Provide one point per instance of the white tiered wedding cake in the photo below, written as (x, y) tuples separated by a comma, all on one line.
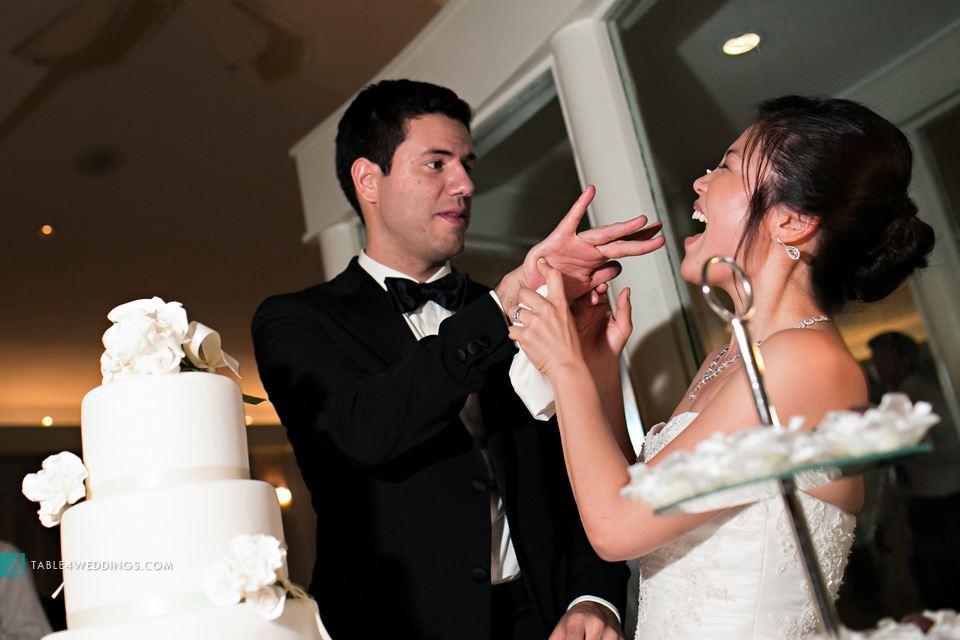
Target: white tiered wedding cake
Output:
[(168, 494)]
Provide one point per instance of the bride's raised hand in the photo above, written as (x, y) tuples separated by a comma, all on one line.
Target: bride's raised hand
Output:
[(546, 331), (602, 333)]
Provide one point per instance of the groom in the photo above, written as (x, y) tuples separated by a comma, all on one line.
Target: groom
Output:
[(443, 508)]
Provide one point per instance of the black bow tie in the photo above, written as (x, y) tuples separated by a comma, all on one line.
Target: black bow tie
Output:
[(449, 292)]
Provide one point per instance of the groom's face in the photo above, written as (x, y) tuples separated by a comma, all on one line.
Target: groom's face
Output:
[(424, 203)]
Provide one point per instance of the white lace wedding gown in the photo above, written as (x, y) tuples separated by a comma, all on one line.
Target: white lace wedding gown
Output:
[(740, 575)]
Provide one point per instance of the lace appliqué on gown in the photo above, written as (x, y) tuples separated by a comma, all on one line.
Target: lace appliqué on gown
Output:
[(687, 597), (832, 532), (662, 433)]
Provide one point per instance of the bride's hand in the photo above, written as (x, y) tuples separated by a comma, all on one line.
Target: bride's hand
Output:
[(603, 335), (547, 332)]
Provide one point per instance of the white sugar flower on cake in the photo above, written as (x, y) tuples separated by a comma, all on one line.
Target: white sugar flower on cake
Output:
[(726, 460), (153, 337), (251, 572), (56, 486), (144, 339)]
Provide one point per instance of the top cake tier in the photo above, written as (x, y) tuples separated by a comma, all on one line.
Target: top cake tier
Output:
[(163, 430)]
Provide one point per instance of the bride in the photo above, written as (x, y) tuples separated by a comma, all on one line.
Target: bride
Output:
[(811, 200)]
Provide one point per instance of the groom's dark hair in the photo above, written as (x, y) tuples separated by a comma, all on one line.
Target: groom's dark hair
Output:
[(375, 124)]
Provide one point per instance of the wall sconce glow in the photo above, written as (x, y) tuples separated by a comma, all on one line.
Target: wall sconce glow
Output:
[(741, 44), (248, 420), (46, 230), (47, 421), (284, 496)]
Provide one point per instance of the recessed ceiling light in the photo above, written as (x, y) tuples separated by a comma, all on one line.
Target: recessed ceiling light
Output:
[(47, 421), (46, 230), (248, 420), (284, 496), (741, 44)]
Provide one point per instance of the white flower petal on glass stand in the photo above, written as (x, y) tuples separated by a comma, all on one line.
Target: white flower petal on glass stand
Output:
[(946, 624), (219, 588), (724, 460)]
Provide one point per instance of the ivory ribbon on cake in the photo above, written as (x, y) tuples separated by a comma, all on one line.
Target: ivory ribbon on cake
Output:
[(202, 345), (145, 608), (166, 478)]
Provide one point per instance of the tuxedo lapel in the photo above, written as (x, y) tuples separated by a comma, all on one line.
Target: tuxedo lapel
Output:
[(367, 313)]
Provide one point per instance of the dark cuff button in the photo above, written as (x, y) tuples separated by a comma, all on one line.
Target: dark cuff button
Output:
[(473, 348), (479, 574), (461, 355), (483, 341), (480, 485)]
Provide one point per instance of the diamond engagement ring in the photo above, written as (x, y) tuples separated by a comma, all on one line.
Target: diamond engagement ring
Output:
[(516, 314)]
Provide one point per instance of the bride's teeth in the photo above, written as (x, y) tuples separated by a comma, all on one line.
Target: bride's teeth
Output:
[(699, 216)]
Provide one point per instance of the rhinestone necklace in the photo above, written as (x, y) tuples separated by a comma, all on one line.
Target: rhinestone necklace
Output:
[(713, 370)]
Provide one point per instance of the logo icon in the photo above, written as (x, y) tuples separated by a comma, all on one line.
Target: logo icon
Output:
[(13, 565)]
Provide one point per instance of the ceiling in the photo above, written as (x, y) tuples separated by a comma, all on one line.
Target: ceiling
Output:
[(153, 136)]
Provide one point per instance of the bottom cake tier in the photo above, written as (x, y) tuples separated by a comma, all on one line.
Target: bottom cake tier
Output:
[(145, 553), (299, 621)]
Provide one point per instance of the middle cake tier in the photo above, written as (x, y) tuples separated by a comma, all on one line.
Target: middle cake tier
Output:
[(145, 552)]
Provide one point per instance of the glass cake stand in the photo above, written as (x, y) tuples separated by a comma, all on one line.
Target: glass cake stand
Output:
[(851, 466), (753, 366)]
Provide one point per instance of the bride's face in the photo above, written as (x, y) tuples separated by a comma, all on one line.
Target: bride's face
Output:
[(724, 198)]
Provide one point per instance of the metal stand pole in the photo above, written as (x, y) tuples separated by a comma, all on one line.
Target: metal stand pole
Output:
[(753, 364)]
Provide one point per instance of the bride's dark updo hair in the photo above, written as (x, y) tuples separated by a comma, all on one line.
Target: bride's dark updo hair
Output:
[(841, 163)]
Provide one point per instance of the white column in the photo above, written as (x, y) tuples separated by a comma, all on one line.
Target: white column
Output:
[(608, 156), (338, 244)]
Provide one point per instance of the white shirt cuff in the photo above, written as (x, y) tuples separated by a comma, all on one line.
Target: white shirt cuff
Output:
[(533, 387), (598, 601), (530, 385)]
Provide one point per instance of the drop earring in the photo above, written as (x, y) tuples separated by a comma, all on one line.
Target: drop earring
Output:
[(791, 250)]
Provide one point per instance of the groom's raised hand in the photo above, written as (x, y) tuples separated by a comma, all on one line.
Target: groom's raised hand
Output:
[(589, 258), (585, 259)]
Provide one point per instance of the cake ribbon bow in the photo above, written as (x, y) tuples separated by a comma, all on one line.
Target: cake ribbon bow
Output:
[(202, 346)]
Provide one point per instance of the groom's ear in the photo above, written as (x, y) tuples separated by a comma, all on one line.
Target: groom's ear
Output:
[(366, 176)]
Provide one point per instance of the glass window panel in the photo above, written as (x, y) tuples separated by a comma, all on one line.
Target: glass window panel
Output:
[(525, 180), (942, 137)]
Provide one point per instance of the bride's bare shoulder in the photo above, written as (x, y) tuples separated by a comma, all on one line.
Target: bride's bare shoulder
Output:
[(813, 366)]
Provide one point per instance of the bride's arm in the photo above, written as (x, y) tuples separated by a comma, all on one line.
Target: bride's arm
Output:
[(618, 528), (602, 338)]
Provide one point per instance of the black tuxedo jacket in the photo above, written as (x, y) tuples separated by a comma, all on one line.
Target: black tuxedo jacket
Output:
[(399, 486)]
